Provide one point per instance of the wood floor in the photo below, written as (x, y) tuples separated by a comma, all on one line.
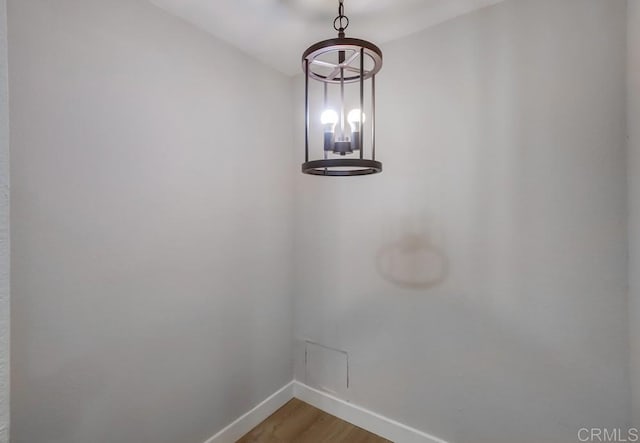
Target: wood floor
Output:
[(299, 422)]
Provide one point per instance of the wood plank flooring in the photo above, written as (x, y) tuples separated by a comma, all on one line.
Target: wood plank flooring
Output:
[(299, 422)]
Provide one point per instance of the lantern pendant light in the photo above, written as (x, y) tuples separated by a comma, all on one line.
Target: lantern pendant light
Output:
[(342, 66)]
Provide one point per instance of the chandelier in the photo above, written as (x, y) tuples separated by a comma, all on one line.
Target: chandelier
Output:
[(345, 68)]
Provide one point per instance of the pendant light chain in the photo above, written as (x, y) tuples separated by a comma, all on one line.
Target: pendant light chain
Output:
[(341, 22)]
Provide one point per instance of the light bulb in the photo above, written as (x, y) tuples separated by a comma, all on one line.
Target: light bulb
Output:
[(329, 118), (354, 119)]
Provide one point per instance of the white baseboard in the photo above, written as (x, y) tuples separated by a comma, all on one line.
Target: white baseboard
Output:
[(239, 427), (354, 414), (361, 417)]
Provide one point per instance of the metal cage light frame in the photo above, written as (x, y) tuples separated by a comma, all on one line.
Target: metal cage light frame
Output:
[(341, 62)]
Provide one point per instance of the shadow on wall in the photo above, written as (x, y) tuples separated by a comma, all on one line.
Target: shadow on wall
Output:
[(413, 260)]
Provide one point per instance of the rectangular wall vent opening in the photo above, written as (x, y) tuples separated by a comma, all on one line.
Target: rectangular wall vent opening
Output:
[(327, 369)]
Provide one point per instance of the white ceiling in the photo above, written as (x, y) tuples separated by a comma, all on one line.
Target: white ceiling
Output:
[(278, 31)]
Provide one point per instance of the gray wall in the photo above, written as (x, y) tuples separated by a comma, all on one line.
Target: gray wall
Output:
[(152, 212), (633, 130), (151, 245), (4, 229), (502, 135)]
